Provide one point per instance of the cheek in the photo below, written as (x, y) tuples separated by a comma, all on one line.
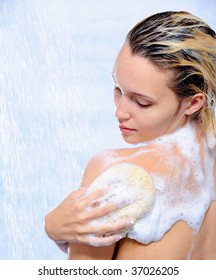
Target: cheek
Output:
[(155, 119)]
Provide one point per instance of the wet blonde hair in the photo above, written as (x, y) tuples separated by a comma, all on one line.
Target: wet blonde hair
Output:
[(184, 43)]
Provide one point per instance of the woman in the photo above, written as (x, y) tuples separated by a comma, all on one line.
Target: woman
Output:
[(165, 90)]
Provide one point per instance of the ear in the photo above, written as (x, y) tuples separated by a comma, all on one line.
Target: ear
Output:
[(195, 103)]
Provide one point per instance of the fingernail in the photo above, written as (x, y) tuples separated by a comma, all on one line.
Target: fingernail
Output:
[(129, 223), (119, 237), (125, 202)]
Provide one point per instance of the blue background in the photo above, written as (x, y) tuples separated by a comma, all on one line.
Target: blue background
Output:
[(56, 104)]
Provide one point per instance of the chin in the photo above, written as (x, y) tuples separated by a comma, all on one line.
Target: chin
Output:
[(135, 141), (132, 141)]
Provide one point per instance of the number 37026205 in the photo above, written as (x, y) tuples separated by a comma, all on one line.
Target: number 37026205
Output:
[(146, 270)]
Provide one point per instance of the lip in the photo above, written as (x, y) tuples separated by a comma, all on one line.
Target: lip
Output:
[(125, 129)]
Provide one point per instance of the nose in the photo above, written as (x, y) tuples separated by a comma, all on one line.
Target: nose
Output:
[(122, 109)]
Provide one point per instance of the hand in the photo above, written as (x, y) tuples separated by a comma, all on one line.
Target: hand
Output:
[(70, 221)]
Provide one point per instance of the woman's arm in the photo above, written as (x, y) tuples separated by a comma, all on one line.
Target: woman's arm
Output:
[(70, 221), (86, 252)]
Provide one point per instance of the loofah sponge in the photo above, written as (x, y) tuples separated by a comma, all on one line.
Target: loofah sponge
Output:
[(126, 182)]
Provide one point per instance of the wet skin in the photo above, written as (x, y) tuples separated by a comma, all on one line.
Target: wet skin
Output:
[(147, 108)]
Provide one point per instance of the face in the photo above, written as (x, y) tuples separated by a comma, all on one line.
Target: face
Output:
[(145, 105)]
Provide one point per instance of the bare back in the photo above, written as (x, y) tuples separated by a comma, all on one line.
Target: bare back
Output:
[(181, 240)]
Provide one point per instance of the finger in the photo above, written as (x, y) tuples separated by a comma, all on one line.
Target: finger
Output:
[(81, 201), (97, 211), (90, 198), (97, 241), (108, 228), (85, 199), (77, 194)]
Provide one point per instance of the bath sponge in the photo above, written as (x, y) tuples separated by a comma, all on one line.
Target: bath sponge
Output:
[(125, 182)]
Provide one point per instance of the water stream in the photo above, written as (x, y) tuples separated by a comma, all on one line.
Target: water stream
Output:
[(56, 107)]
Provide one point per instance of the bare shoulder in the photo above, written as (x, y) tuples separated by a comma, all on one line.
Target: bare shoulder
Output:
[(103, 160)]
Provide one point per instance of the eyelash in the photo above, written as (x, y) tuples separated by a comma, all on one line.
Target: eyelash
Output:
[(142, 105), (117, 89), (117, 92)]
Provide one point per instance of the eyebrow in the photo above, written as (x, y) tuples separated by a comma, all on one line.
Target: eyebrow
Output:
[(135, 93)]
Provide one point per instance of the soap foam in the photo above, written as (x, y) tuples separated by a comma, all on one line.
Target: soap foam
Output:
[(131, 184), (183, 193), (184, 196)]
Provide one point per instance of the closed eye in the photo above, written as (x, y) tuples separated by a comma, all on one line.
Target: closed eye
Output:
[(141, 102), (117, 91), (143, 105)]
